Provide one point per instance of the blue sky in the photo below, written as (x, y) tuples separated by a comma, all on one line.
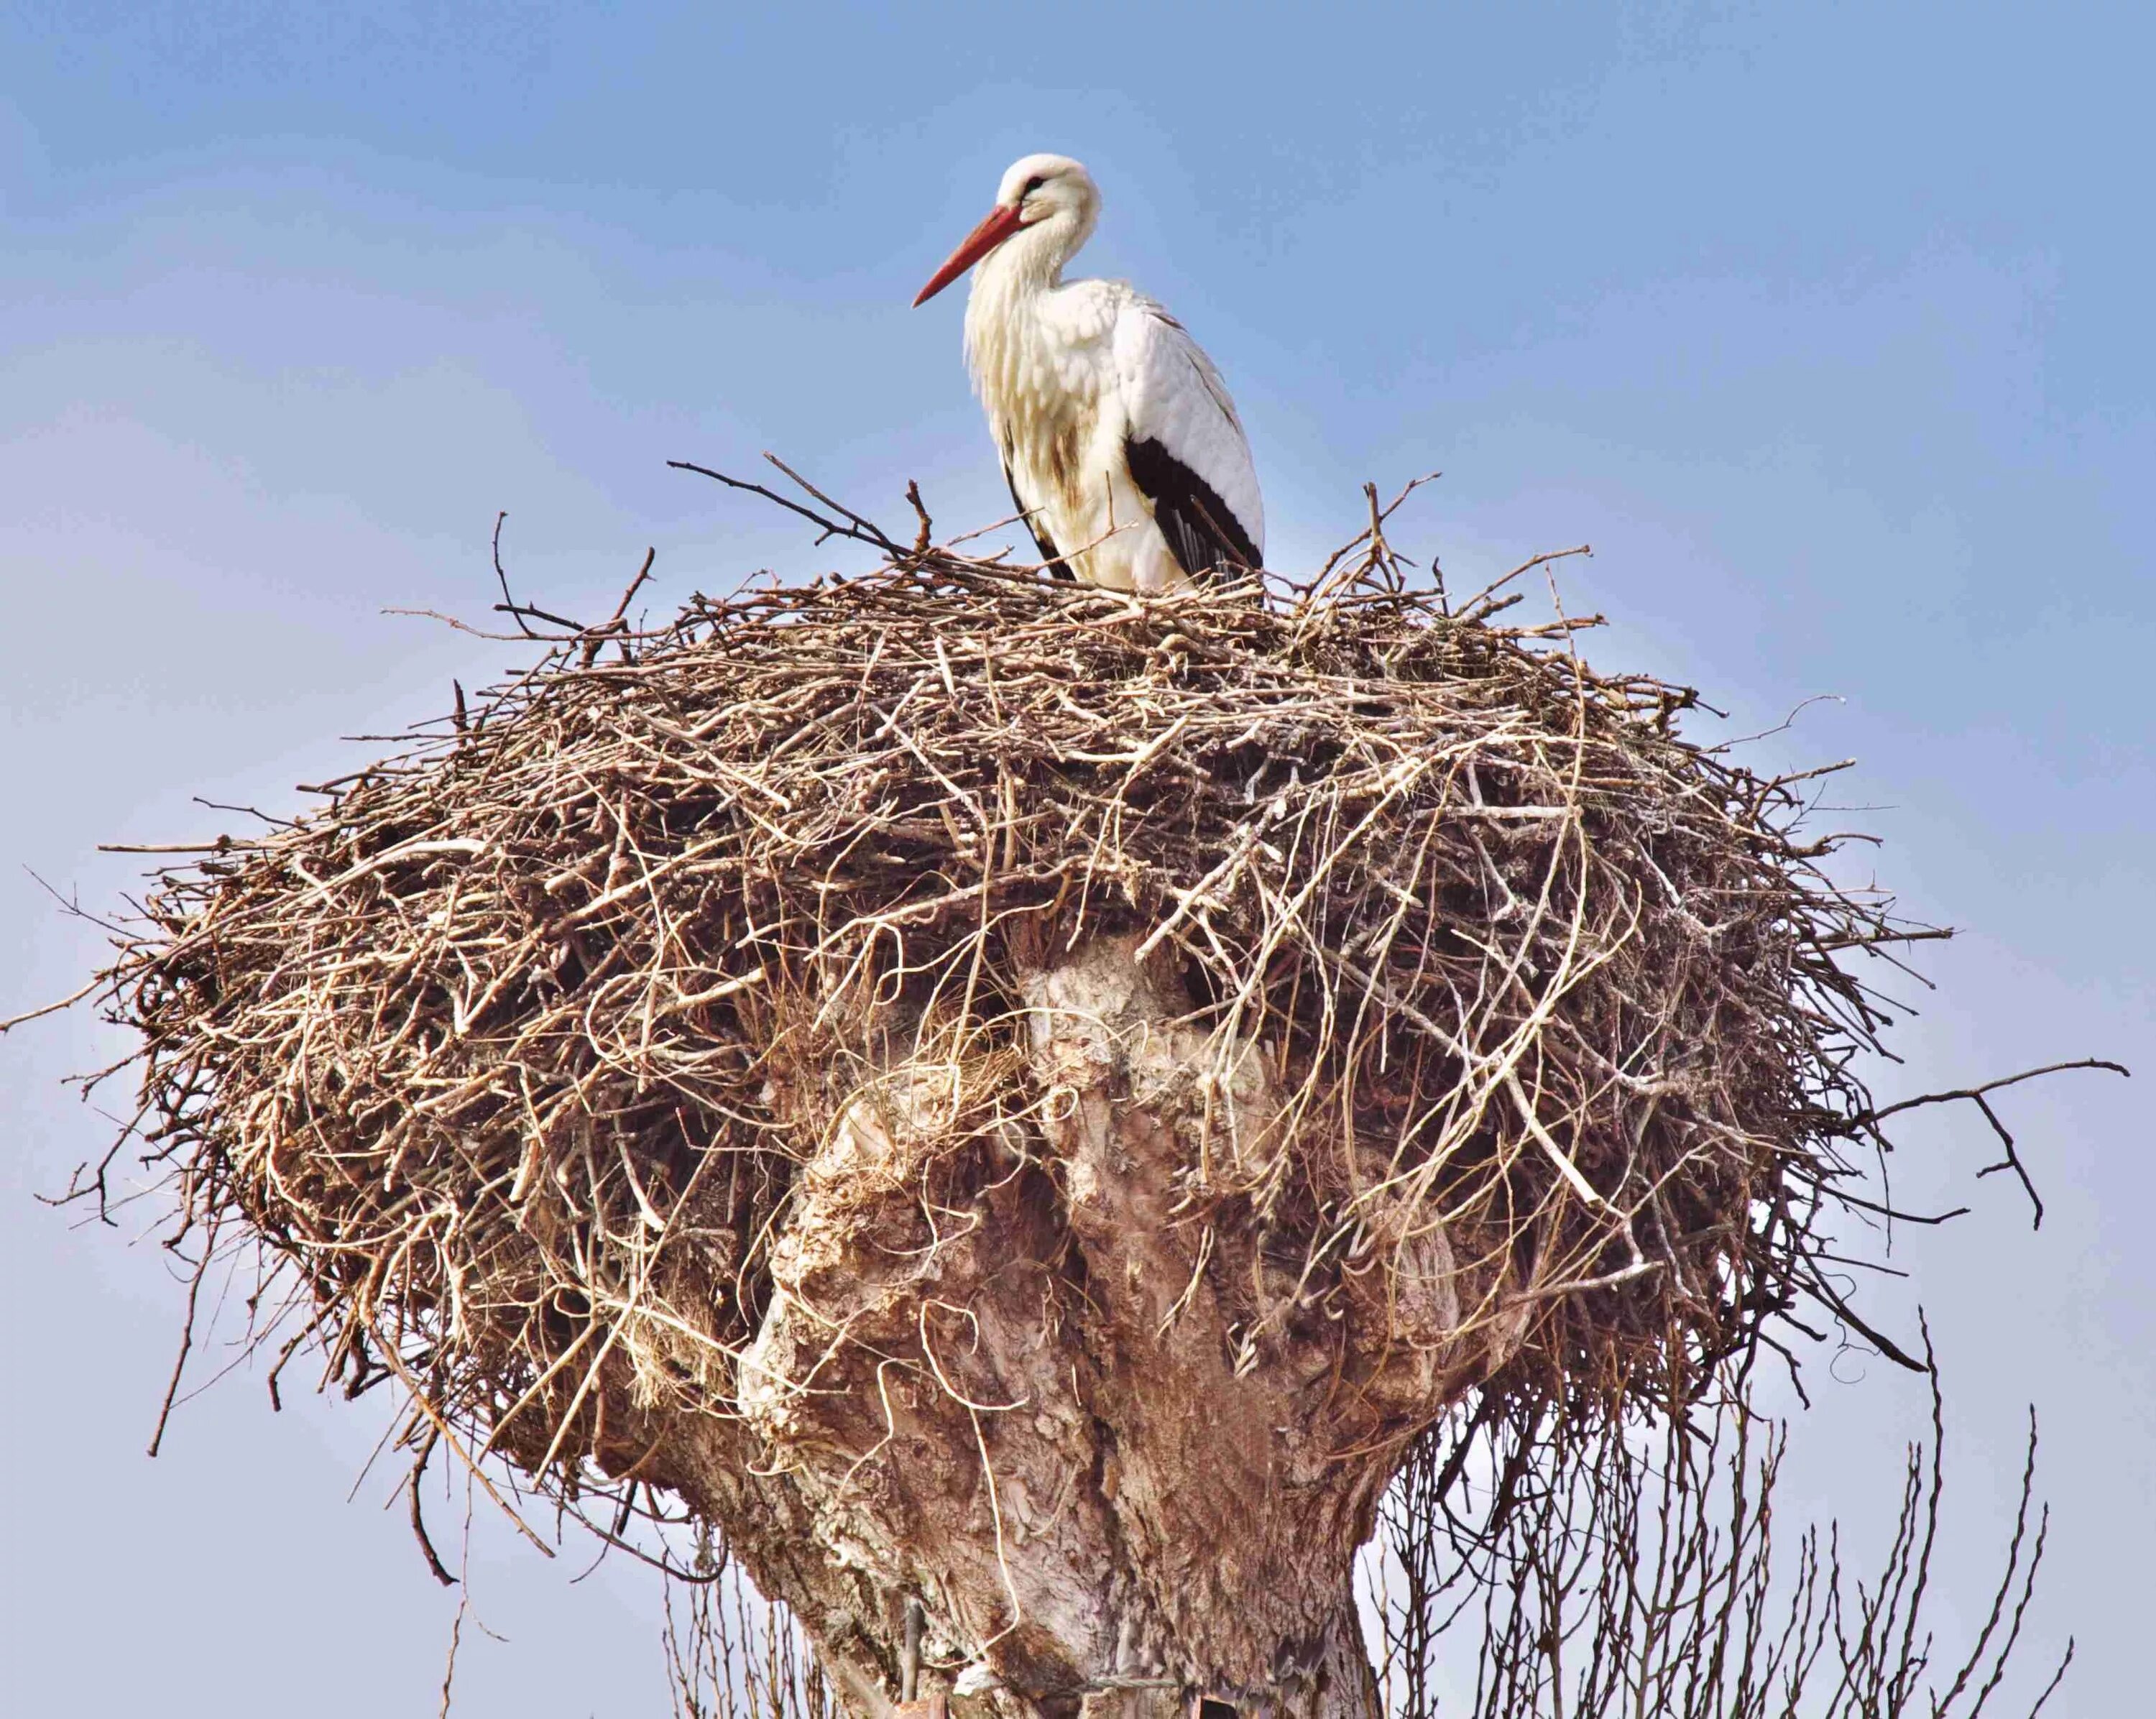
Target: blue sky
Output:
[(1825, 325)]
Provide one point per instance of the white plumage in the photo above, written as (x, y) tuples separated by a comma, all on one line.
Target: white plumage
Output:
[(1118, 437)]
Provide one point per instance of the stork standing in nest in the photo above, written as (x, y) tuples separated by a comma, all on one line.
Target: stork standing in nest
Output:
[(1120, 443)]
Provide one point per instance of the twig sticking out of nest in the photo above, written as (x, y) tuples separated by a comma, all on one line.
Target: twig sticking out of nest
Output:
[(514, 1059)]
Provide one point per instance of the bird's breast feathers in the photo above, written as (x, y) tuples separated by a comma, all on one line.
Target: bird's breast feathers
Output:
[(1074, 376)]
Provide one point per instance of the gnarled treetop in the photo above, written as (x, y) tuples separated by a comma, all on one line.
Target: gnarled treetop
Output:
[(729, 1058)]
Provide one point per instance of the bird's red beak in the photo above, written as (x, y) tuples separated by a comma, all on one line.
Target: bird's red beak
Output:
[(1001, 224)]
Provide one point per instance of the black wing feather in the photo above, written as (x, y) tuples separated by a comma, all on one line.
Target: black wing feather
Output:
[(1202, 531), (1050, 557)]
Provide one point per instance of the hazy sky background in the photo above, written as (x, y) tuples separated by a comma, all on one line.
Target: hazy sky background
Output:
[(1827, 325)]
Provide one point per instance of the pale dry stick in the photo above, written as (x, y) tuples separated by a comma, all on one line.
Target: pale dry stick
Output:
[(1479, 607), (423, 1401), (464, 1603)]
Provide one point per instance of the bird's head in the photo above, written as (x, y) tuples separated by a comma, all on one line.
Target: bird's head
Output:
[(1050, 199)]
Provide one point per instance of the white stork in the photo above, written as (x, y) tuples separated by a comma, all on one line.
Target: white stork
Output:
[(1119, 441)]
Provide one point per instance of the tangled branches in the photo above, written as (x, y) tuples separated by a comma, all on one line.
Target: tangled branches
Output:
[(1635, 1570)]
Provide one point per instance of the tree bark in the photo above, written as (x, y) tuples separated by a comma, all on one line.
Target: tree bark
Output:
[(1104, 1428)]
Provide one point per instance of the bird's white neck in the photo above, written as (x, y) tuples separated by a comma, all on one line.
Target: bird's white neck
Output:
[(1031, 259), (1003, 304)]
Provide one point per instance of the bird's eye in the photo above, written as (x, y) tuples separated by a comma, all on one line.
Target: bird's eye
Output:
[(1032, 185)]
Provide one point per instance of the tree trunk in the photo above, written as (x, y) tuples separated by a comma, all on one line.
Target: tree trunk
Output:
[(1103, 1425)]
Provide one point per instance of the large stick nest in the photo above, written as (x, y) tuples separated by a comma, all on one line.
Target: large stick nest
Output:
[(509, 1058)]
